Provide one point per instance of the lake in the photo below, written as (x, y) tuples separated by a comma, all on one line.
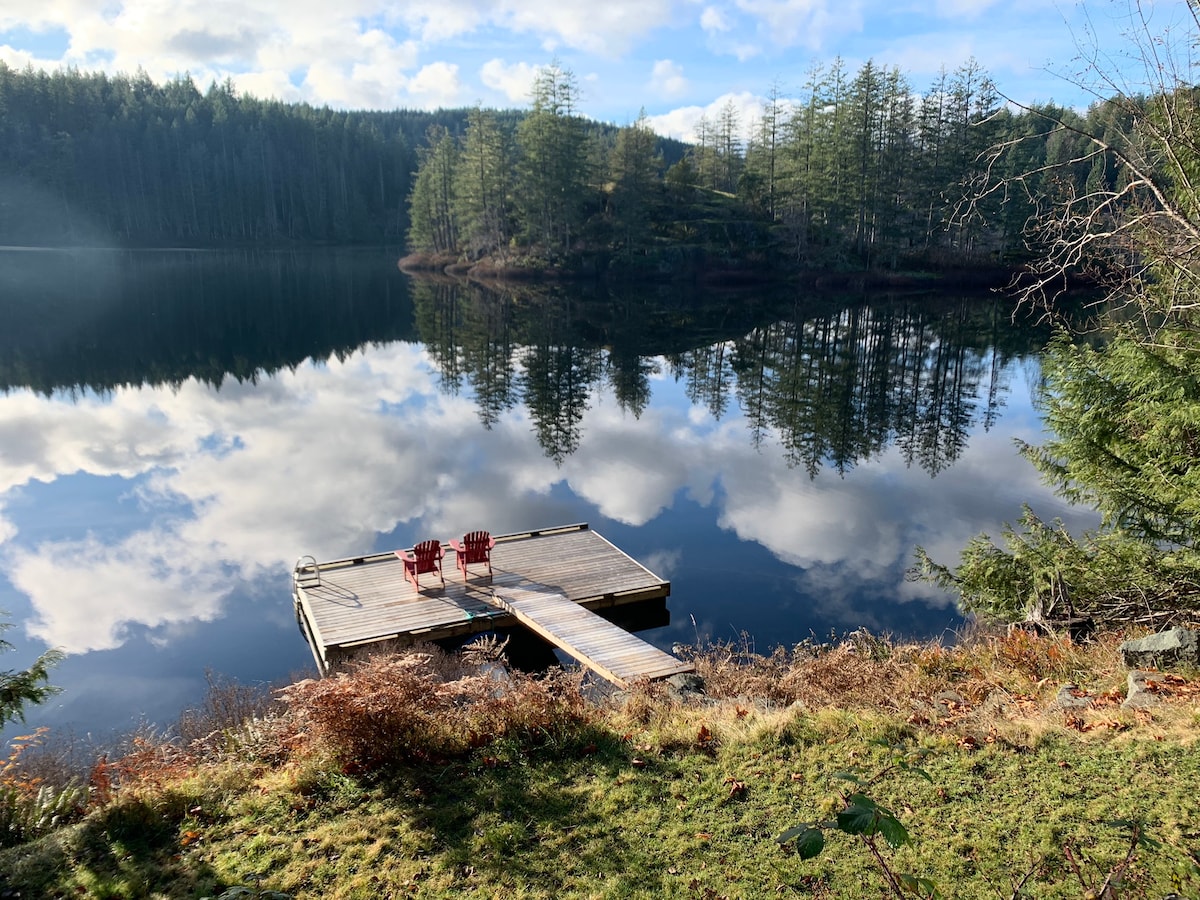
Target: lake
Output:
[(176, 428)]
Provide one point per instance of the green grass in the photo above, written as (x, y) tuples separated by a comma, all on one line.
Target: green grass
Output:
[(571, 823), (663, 799)]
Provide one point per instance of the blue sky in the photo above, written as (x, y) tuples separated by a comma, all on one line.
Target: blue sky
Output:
[(675, 58)]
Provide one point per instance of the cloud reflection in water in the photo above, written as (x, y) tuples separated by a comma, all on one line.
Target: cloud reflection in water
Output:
[(227, 487)]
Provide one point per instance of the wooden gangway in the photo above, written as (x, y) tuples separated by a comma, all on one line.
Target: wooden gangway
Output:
[(346, 606), (605, 648)]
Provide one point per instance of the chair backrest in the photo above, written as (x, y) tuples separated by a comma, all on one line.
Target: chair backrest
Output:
[(478, 544), (427, 553)]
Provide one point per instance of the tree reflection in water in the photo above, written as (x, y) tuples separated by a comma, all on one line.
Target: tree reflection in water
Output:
[(836, 380)]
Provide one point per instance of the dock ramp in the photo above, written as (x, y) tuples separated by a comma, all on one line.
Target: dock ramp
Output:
[(605, 648)]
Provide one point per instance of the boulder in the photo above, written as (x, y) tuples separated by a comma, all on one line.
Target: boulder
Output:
[(1175, 647), (686, 685), (1069, 696), (1140, 695)]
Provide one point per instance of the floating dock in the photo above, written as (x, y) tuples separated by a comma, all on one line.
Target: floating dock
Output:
[(550, 581)]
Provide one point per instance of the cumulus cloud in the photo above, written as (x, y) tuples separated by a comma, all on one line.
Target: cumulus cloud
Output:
[(749, 28), (274, 83), (607, 29), (358, 52), (714, 20), (100, 591), (437, 85), (666, 80), (514, 81), (681, 123)]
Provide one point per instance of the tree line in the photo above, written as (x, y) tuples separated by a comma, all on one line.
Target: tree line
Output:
[(89, 158), (857, 171)]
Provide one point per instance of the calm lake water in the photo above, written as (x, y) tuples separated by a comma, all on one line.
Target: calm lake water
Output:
[(176, 428)]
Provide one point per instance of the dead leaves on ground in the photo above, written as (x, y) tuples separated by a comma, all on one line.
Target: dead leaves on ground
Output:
[(1175, 687), (1085, 726)]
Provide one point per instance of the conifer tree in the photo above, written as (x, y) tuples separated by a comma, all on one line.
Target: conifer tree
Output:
[(434, 224), (483, 185), (19, 688), (551, 143), (634, 164), (1124, 414)]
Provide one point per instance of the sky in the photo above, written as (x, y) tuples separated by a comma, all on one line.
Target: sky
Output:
[(676, 59)]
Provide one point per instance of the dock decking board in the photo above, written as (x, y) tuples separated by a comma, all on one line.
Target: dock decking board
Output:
[(363, 600), (599, 644)]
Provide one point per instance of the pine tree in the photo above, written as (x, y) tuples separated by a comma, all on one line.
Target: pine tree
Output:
[(551, 143), (483, 185), (634, 164), (434, 224)]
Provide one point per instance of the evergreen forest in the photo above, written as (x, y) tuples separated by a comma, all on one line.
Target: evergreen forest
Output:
[(854, 171)]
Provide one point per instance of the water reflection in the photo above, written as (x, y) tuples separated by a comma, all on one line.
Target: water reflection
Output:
[(99, 319), (836, 381), (153, 498)]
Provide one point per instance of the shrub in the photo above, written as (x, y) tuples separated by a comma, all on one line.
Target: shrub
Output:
[(30, 807), (402, 707)]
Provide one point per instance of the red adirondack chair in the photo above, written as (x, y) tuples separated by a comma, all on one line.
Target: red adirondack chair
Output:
[(475, 547), (425, 557)]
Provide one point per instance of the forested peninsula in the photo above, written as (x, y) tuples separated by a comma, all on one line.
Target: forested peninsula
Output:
[(855, 172)]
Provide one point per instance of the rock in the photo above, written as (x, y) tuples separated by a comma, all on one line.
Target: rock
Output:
[(1070, 697), (687, 684), (1175, 647), (1139, 695), (948, 698)]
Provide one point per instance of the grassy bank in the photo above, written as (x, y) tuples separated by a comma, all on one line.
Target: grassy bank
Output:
[(403, 782)]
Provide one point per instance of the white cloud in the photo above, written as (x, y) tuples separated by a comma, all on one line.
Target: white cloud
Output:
[(514, 81), (100, 591), (270, 83), (714, 20), (441, 20), (437, 85), (666, 80), (810, 23), (19, 59), (681, 123), (611, 28)]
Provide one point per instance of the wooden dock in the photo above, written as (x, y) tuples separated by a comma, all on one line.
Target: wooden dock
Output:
[(350, 605), (603, 647)]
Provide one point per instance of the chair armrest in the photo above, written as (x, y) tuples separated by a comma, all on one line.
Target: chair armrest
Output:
[(458, 546), (406, 556)]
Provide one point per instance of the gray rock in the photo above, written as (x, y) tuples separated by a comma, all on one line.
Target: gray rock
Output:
[(1068, 699), (1175, 647), (686, 684), (1139, 696)]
